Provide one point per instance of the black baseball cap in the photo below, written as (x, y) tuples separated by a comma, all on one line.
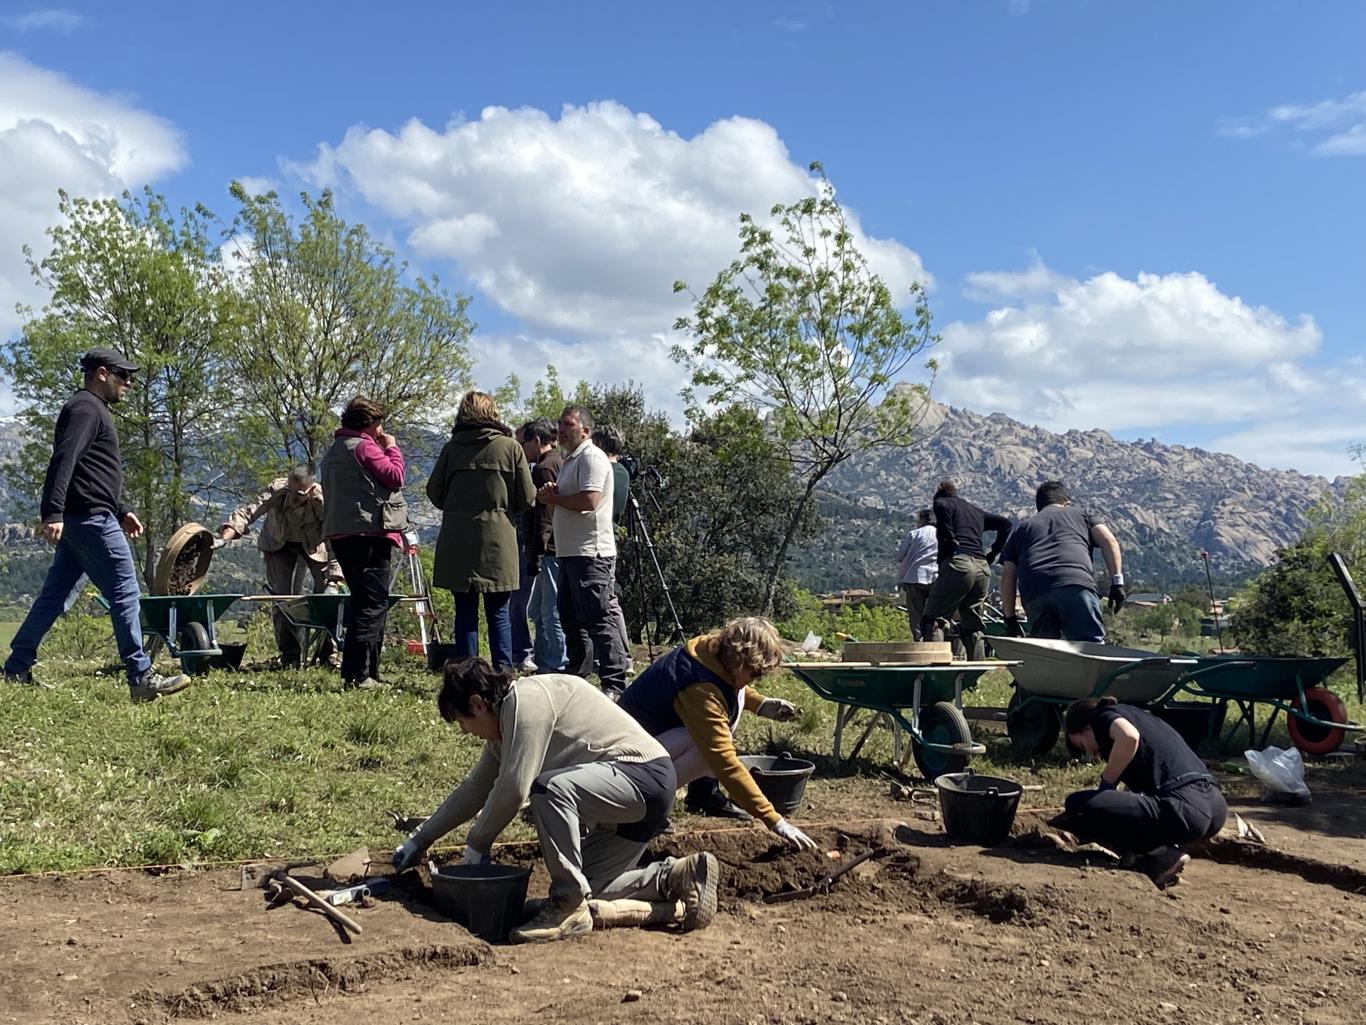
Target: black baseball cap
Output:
[(111, 358)]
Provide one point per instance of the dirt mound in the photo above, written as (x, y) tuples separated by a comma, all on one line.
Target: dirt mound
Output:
[(274, 984)]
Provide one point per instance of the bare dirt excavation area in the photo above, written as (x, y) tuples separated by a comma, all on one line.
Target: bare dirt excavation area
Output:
[(927, 933)]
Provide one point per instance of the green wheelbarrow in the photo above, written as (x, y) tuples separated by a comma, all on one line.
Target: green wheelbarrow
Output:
[(185, 623), (321, 613), (924, 701)]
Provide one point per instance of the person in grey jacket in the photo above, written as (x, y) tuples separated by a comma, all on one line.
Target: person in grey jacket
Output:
[(600, 788)]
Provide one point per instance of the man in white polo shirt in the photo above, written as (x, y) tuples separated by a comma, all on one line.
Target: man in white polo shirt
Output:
[(586, 546)]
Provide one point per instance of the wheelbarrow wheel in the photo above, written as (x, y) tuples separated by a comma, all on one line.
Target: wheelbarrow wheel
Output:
[(941, 723), (1031, 725), (1321, 703)]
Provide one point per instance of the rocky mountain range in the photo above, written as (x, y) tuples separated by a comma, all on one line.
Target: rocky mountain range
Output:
[(1166, 503)]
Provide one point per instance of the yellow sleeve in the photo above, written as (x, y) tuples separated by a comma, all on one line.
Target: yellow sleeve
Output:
[(753, 699), (703, 712)]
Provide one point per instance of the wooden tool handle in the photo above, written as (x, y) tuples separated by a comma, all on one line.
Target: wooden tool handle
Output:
[(322, 905)]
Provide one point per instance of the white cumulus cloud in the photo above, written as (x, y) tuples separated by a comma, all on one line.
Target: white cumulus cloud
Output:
[(1156, 351), (57, 134), (579, 225)]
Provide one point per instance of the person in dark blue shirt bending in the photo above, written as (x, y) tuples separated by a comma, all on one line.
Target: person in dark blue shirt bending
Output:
[(1169, 800)]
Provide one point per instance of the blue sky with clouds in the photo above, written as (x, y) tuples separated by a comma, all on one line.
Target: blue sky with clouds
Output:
[(1145, 218)]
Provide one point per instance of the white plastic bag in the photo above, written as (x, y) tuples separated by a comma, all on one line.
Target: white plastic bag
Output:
[(1281, 771), (812, 642)]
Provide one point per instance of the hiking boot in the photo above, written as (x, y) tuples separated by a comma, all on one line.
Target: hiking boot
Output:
[(23, 678), (150, 686), (1164, 866), (369, 683), (693, 881), (555, 922)]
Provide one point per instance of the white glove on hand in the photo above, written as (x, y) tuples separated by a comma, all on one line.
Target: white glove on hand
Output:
[(406, 855), (777, 709), (793, 835), (474, 857)]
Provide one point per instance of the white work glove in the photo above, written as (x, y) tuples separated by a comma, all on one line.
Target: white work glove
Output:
[(793, 835), (777, 709), (474, 857), (406, 854)]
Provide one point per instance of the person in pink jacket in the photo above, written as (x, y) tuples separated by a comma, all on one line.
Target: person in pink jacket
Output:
[(364, 519)]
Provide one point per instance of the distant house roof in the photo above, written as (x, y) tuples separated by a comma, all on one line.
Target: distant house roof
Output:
[(1150, 598)]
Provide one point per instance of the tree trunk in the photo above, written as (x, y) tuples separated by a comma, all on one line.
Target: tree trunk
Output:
[(775, 570)]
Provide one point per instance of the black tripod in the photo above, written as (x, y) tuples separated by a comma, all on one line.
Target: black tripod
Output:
[(638, 531)]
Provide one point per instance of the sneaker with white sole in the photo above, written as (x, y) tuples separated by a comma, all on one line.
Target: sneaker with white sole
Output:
[(150, 686), (555, 922), (693, 880)]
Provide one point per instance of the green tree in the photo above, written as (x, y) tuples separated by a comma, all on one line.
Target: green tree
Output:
[(799, 328), (546, 401), (131, 275), (1296, 607), (329, 315), (716, 501)]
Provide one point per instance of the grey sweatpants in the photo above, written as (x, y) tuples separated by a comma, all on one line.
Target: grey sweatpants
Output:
[(286, 571), (593, 800)]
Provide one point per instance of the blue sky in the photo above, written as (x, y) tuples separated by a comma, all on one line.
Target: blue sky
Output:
[(1147, 218)]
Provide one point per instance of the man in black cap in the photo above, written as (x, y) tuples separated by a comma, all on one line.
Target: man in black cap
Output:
[(84, 516)]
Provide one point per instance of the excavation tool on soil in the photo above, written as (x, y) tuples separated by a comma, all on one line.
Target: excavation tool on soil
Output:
[(831, 878), (924, 700), (282, 886), (1051, 674)]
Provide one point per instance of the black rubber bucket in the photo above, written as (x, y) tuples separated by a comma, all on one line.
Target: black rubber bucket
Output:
[(486, 899), (978, 809), (438, 654), (1195, 721), (231, 658), (782, 779)]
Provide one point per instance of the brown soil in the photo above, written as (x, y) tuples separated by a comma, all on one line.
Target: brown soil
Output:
[(186, 566), (925, 933)]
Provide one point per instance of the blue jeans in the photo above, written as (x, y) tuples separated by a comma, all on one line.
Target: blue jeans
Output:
[(545, 614), (1067, 613), (495, 615), (96, 547)]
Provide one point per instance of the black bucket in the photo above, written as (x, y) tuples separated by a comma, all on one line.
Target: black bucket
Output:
[(978, 809), (486, 899), (230, 657), (781, 779), (1195, 721), (438, 654)]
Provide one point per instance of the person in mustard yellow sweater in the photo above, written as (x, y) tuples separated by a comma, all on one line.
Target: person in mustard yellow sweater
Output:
[(690, 700)]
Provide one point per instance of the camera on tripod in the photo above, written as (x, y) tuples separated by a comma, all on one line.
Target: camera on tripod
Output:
[(635, 468)]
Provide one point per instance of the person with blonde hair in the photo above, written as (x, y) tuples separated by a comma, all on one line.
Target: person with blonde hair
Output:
[(480, 482), (690, 700)]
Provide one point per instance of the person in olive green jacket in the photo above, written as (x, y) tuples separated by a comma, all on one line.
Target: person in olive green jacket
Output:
[(480, 482)]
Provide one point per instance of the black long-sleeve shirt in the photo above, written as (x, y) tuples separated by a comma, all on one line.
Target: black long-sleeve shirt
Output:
[(959, 526), (85, 474)]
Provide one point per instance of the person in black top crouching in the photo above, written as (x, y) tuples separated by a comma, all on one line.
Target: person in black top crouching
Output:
[(1170, 799)]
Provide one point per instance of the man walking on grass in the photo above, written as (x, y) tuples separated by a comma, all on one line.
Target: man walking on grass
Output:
[(84, 516)]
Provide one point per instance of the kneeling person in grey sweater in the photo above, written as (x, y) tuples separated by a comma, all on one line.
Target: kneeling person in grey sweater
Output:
[(600, 789)]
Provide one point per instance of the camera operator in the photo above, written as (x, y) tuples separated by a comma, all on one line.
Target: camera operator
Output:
[(612, 442)]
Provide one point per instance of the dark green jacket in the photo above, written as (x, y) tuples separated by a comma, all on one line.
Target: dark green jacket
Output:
[(480, 482)]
